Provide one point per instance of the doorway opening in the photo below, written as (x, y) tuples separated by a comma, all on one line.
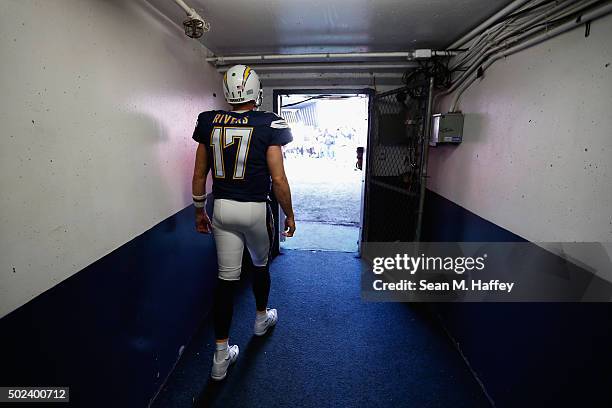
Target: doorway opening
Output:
[(325, 166)]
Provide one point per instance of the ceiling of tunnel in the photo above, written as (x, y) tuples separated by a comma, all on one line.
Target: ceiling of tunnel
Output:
[(250, 27)]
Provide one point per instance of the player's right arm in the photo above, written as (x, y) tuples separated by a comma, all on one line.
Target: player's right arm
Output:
[(280, 186), (201, 134)]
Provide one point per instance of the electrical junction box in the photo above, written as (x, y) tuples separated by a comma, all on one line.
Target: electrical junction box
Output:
[(422, 53), (447, 128)]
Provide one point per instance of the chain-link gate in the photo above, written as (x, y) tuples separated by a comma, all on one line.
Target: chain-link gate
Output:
[(396, 151)]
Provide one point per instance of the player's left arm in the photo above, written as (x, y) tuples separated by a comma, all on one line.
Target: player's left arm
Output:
[(280, 135), (198, 187)]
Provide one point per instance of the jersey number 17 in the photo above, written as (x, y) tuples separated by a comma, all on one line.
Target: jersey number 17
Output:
[(223, 137)]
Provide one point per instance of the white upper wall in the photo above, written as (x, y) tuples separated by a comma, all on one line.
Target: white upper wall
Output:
[(537, 152), (99, 100)]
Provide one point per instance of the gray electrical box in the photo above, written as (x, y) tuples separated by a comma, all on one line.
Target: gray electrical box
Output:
[(447, 128)]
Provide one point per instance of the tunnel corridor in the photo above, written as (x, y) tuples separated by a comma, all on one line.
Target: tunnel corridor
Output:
[(488, 125)]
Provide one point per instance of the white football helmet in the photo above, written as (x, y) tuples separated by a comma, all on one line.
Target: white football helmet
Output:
[(241, 84)]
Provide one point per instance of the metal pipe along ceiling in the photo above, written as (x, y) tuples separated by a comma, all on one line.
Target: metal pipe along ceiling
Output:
[(329, 75), (321, 67), (585, 18), (488, 22), (190, 11), (526, 28), (490, 50), (322, 56)]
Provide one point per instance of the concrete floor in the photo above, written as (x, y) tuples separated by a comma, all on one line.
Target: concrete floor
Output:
[(323, 237), (327, 203), (325, 191)]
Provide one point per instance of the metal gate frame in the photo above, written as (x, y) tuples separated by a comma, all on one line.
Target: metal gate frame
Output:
[(387, 197)]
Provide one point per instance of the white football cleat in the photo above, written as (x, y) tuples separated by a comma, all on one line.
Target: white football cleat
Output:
[(219, 368), (261, 327)]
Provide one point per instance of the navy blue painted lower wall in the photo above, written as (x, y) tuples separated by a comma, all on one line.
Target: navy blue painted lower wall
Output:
[(112, 332), (527, 354)]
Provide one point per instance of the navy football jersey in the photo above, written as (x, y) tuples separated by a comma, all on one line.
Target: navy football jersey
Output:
[(237, 145)]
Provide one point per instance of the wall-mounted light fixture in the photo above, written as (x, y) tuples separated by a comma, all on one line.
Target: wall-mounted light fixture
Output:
[(194, 24)]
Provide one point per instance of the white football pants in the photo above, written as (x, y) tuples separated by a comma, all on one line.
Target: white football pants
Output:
[(238, 223)]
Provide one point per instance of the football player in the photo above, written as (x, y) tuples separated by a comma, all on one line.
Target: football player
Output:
[(242, 149)]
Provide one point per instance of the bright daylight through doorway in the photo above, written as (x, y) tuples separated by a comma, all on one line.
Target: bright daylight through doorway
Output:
[(324, 168)]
